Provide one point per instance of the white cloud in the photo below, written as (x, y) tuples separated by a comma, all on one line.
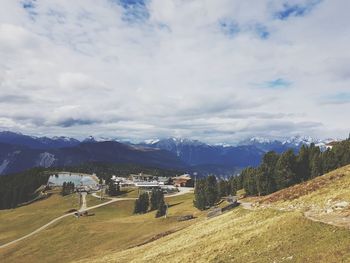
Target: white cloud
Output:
[(80, 67)]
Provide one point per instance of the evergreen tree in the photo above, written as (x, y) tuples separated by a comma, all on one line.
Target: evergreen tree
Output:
[(266, 174), (211, 190), (64, 189), (223, 188), (156, 196), (161, 208), (141, 204), (315, 161), (285, 174), (239, 182), (233, 185), (200, 199), (329, 160), (316, 166), (249, 181), (262, 181), (303, 164)]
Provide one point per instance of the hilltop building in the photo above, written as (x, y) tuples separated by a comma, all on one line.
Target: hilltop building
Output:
[(182, 180)]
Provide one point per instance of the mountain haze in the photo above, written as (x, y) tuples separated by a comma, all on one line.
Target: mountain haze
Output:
[(19, 152)]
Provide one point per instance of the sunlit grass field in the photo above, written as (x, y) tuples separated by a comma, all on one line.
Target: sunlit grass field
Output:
[(114, 234), (112, 228), (245, 236), (260, 235), (15, 223)]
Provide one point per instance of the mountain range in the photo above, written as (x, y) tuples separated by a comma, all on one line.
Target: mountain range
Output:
[(19, 152)]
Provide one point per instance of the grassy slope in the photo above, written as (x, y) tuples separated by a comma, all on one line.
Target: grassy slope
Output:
[(314, 194), (15, 223), (113, 228), (261, 235), (245, 236)]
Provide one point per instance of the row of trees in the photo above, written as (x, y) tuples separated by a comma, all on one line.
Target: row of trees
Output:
[(209, 191), (147, 203), (280, 171), (67, 188), (22, 187)]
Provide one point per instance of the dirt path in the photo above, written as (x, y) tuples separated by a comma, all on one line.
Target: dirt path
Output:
[(61, 217), (333, 219), (246, 205), (183, 190), (83, 205)]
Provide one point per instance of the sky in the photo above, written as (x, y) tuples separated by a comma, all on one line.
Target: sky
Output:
[(218, 71)]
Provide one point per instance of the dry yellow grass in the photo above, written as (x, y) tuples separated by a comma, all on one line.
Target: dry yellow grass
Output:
[(245, 236), (314, 194), (15, 223), (113, 228), (261, 235)]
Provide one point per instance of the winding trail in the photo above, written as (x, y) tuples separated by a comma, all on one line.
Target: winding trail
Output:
[(61, 217), (246, 205), (183, 190), (332, 219)]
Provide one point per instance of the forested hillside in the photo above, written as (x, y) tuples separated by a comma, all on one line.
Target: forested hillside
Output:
[(19, 188), (280, 171)]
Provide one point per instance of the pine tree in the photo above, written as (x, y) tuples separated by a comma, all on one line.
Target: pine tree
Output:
[(223, 188), (161, 208), (64, 186), (211, 190), (303, 164), (285, 174), (156, 196), (233, 185), (137, 206), (141, 204), (249, 180), (329, 160), (200, 200)]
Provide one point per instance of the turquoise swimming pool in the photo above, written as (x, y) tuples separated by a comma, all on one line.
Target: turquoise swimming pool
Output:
[(77, 179)]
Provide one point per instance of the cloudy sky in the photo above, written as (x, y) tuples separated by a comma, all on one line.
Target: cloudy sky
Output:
[(214, 70)]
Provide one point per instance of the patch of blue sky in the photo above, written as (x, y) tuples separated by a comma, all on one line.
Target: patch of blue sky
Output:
[(58, 15), (229, 27), (290, 10), (278, 83), (135, 11), (337, 98), (261, 31), (29, 6)]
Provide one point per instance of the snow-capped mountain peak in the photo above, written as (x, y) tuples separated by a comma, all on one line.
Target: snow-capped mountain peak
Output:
[(299, 140), (151, 141)]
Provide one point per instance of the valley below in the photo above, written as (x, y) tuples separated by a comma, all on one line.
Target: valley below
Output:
[(304, 223)]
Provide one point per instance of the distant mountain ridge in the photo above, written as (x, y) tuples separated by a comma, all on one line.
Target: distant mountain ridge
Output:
[(19, 152), (16, 158), (36, 142)]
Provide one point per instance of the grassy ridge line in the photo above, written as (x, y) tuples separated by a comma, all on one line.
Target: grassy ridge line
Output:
[(260, 235), (314, 193), (245, 236)]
